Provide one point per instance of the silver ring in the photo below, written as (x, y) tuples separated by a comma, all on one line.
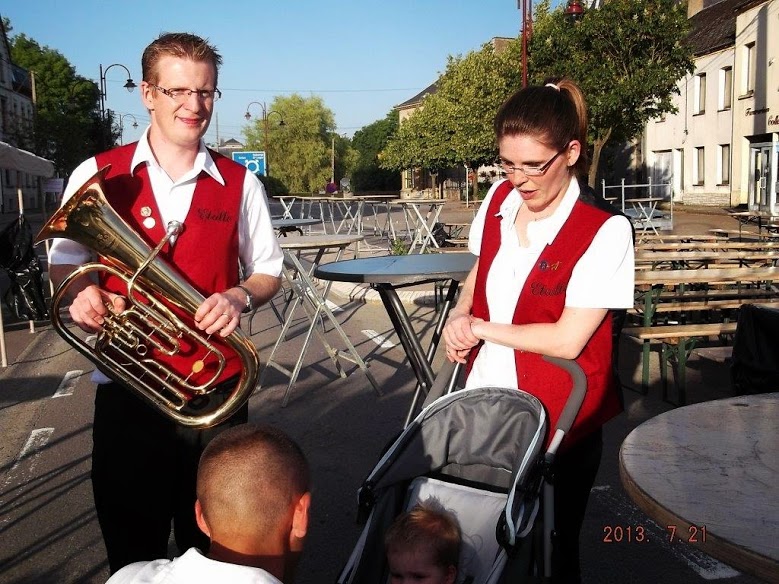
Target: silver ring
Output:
[(226, 314)]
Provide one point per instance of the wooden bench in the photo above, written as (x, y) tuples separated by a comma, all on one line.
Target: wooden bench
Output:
[(718, 245), (678, 341), (656, 288), (458, 242), (735, 233), (704, 259), (681, 306)]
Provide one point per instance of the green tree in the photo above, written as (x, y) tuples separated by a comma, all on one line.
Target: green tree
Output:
[(299, 151), (67, 125), (368, 142), (453, 125), (627, 57)]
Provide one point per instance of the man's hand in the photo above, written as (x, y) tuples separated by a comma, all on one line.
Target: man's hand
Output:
[(221, 312), (459, 337), (90, 306)]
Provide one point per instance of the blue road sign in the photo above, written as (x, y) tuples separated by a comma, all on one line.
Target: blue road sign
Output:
[(254, 161)]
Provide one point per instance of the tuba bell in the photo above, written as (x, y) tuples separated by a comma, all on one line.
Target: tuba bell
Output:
[(152, 346)]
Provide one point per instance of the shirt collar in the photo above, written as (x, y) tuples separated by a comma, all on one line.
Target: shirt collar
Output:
[(545, 230), (203, 160)]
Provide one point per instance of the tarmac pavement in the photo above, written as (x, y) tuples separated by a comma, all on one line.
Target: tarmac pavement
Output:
[(46, 514)]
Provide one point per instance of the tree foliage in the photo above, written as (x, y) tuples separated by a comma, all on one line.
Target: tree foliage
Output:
[(300, 150), (627, 57), (67, 127), (368, 142), (453, 125)]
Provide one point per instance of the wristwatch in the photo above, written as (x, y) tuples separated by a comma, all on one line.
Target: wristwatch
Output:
[(249, 304)]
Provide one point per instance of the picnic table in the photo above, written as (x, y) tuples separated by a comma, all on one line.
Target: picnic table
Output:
[(765, 220), (710, 291), (703, 259)]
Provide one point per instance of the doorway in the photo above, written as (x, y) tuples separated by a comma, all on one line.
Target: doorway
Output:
[(762, 177)]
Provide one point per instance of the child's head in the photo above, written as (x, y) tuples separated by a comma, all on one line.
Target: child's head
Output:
[(423, 545)]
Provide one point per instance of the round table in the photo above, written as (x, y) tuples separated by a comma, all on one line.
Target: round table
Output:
[(284, 226), (709, 474), (400, 270), (388, 273)]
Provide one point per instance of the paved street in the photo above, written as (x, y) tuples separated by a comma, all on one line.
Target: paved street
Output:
[(47, 520)]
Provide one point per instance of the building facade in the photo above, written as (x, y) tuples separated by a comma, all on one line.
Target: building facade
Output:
[(16, 129), (721, 148)]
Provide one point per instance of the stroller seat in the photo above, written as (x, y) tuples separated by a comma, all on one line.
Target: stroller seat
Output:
[(477, 512)]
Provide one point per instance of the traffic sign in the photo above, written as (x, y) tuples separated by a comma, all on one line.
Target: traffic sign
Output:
[(254, 161)]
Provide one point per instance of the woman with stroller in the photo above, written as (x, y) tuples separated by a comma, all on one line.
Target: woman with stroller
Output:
[(554, 263)]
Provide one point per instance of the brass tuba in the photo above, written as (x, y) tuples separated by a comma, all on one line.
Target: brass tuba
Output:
[(158, 319)]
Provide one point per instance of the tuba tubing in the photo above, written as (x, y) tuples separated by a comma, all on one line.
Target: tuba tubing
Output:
[(88, 218)]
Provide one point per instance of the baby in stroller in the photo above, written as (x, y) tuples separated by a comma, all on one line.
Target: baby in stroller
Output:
[(423, 545), (481, 453)]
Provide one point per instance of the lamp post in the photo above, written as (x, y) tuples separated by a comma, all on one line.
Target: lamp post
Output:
[(573, 10), (121, 126), (129, 86), (265, 115), (332, 158)]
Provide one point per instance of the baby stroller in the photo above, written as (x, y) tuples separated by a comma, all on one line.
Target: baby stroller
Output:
[(479, 452)]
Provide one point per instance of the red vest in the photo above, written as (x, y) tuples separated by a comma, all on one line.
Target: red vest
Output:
[(542, 299), (205, 253)]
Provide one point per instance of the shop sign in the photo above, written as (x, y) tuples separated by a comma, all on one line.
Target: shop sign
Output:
[(750, 112)]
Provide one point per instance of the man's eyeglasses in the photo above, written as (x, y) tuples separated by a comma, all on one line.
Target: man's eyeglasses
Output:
[(181, 95), (529, 170)]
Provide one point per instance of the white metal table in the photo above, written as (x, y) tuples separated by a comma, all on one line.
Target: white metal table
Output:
[(287, 201), (314, 302), (285, 226), (643, 212), (420, 225)]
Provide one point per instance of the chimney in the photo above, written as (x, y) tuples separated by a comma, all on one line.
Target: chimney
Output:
[(694, 7)]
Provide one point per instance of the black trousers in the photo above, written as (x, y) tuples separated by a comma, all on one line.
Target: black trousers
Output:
[(144, 472), (574, 476)]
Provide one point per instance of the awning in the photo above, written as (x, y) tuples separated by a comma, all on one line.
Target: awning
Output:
[(15, 159)]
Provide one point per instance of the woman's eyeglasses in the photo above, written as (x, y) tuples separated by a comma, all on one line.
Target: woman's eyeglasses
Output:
[(529, 170)]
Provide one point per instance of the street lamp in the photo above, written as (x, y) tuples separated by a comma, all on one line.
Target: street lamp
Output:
[(121, 126), (573, 11), (129, 86), (332, 159), (265, 115)]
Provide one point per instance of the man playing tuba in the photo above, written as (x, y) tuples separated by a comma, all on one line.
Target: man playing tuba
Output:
[(144, 464)]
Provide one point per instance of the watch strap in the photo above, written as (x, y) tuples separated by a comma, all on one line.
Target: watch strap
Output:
[(249, 304)]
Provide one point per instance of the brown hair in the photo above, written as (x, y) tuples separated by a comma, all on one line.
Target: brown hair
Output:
[(554, 113), (248, 478), (426, 525), (177, 44)]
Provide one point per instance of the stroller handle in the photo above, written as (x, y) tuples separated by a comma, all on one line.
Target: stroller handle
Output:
[(575, 399)]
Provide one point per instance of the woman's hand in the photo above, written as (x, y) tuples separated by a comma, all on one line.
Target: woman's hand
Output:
[(459, 337)]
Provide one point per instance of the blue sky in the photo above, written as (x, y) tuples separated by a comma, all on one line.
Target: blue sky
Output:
[(362, 57)]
